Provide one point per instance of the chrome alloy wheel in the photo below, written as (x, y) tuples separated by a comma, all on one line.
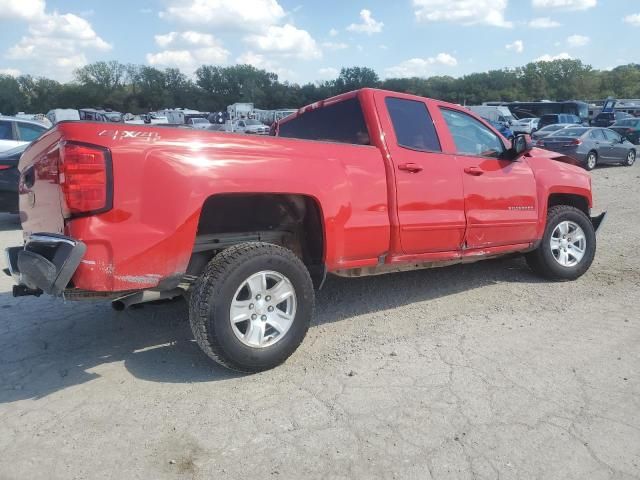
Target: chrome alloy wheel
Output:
[(568, 243), (263, 309), (631, 157)]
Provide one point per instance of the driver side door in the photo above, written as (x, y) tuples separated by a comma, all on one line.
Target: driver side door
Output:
[(500, 195)]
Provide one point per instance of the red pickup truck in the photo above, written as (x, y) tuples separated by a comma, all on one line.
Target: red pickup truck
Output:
[(246, 227)]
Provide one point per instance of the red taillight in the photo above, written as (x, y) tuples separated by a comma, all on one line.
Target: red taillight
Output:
[(572, 143), (84, 174), (5, 167)]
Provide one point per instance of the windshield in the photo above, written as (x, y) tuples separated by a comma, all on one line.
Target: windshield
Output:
[(570, 132), (199, 120), (252, 122)]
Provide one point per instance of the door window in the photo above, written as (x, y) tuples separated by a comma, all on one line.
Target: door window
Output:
[(413, 125), (612, 136), (28, 133), (472, 137)]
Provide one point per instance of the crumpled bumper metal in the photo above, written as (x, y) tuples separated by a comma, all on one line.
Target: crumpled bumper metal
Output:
[(46, 263)]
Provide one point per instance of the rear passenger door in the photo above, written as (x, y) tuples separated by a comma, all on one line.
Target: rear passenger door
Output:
[(500, 195), (429, 194)]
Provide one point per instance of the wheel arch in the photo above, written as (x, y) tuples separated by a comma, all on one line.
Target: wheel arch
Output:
[(294, 221), (574, 200)]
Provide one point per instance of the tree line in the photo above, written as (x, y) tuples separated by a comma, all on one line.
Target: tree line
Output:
[(141, 88)]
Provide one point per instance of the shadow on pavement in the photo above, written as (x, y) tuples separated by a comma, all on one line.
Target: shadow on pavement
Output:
[(47, 345)]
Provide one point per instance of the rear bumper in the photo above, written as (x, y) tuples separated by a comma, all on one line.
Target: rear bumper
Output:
[(46, 263), (598, 220)]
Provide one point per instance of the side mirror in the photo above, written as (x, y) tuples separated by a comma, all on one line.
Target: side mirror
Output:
[(518, 146)]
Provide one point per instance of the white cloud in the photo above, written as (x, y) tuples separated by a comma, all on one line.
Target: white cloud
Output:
[(187, 50), (12, 72), (247, 15), (22, 9), (420, 67), (544, 22), (465, 12), (517, 46), (368, 24), (262, 62), (335, 45), (328, 73), (550, 58), (633, 19), (565, 4), (56, 44), (286, 41), (333, 32), (578, 41)]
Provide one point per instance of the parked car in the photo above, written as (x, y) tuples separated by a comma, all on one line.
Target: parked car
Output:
[(504, 130), (549, 129), (591, 146), (496, 114), (9, 178), (553, 118), (15, 132), (198, 123), (606, 119), (628, 128), (251, 126), (95, 115), (62, 114), (525, 125), (359, 184)]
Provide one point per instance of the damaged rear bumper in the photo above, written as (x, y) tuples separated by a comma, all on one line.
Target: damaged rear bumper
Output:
[(598, 220), (46, 263)]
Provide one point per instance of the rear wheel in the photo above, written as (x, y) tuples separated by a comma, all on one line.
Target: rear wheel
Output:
[(252, 307), (568, 246), (631, 158), (591, 161)]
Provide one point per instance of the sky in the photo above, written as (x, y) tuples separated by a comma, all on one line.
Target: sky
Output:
[(305, 41)]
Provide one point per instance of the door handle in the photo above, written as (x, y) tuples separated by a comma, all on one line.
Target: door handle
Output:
[(475, 171), (410, 167)]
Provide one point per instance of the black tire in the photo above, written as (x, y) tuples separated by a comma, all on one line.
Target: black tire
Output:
[(591, 164), (542, 261), (213, 292), (631, 158)]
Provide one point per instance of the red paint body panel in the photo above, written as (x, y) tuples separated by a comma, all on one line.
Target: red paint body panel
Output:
[(370, 210)]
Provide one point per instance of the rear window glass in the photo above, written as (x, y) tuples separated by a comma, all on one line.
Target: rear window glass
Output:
[(570, 132), (341, 122), (413, 125)]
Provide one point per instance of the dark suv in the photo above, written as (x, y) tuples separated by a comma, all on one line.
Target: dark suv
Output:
[(553, 118), (606, 119)]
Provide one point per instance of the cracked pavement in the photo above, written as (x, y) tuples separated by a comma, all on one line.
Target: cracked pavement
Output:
[(481, 371)]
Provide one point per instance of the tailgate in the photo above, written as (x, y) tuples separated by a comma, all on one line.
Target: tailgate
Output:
[(39, 187)]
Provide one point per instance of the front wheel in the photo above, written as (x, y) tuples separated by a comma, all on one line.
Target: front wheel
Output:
[(251, 308), (568, 246), (631, 158)]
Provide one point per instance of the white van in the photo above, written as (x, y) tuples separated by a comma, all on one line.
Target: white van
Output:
[(493, 114)]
